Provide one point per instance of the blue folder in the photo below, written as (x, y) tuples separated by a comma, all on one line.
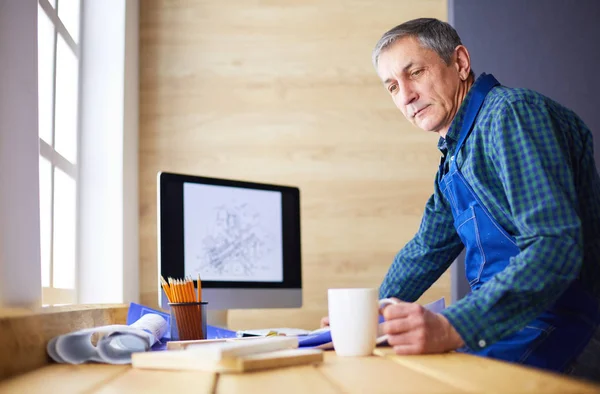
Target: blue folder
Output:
[(136, 311)]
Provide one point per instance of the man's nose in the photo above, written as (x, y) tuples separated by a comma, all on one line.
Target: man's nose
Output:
[(407, 94)]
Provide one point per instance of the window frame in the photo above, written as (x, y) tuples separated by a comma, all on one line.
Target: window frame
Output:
[(50, 294)]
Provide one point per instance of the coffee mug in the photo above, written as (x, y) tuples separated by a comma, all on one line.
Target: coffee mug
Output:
[(353, 320)]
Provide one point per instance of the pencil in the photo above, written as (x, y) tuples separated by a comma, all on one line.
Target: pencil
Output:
[(185, 319), (189, 285), (180, 291), (196, 310), (172, 288), (176, 290), (165, 287)]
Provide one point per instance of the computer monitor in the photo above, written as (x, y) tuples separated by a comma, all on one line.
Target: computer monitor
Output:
[(243, 238)]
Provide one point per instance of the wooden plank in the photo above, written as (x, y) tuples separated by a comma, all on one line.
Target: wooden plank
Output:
[(61, 378), (182, 345), (164, 382), (478, 374), (190, 360), (24, 334), (280, 359), (379, 375), (291, 380)]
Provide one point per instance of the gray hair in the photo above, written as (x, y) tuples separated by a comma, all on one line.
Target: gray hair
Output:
[(432, 33)]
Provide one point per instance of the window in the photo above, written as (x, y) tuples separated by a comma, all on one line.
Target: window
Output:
[(58, 95)]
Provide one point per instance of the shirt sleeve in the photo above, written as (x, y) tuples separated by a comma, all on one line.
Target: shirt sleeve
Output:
[(424, 258), (531, 158)]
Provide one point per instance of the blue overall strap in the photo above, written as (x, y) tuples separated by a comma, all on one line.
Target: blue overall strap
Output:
[(485, 83)]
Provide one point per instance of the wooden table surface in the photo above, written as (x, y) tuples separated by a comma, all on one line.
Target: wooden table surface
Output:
[(381, 373)]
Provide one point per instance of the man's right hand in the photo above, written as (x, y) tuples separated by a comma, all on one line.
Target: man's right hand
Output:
[(325, 322)]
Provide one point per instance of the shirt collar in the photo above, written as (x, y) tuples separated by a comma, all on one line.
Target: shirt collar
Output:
[(448, 143)]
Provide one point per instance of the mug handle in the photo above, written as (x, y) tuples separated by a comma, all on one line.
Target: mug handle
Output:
[(385, 302), (382, 338)]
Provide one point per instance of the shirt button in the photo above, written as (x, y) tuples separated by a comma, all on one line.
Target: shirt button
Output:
[(452, 158), (481, 343)]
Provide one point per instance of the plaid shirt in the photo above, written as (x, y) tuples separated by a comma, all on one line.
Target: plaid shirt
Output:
[(530, 161)]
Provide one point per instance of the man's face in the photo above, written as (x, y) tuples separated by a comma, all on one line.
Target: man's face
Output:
[(421, 84)]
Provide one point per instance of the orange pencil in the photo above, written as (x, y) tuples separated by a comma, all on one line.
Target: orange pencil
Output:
[(180, 290), (190, 290), (165, 287), (175, 290), (171, 289)]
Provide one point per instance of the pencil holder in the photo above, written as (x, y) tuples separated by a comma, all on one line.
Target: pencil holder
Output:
[(188, 320)]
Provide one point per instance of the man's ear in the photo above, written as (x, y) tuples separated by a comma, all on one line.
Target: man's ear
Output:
[(462, 62)]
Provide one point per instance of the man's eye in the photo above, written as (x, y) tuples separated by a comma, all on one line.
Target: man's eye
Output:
[(393, 88), (416, 73)]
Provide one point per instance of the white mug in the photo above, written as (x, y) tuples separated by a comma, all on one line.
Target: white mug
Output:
[(353, 320)]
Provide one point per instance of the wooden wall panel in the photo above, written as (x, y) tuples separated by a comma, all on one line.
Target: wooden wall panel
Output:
[(283, 91)]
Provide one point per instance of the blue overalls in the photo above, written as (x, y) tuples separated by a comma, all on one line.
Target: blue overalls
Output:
[(556, 337)]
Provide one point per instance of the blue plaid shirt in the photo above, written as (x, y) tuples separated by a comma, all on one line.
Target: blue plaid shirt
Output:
[(531, 163)]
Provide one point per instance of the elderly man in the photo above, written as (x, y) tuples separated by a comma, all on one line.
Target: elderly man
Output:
[(517, 187)]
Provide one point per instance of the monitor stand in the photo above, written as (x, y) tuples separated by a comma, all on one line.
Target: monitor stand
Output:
[(216, 317)]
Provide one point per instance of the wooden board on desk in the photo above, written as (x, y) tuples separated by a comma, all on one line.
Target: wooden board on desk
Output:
[(472, 373), (357, 375), (63, 378), (162, 382), (182, 360), (279, 359), (181, 345), (300, 379)]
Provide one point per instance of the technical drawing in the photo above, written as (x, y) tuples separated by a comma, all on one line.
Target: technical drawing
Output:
[(232, 234), (236, 244)]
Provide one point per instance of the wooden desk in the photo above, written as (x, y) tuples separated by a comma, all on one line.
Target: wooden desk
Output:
[(386, 373)]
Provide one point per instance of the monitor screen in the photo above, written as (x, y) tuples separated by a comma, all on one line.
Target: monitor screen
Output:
[(232, 233), (243, 238)]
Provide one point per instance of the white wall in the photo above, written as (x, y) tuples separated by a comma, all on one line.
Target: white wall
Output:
[(20, 272), (108, 215), (131, 220)]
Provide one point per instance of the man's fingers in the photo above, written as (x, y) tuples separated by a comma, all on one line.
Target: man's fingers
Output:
[(407, 338), (325, 322), (400, 310), (398, 326)]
